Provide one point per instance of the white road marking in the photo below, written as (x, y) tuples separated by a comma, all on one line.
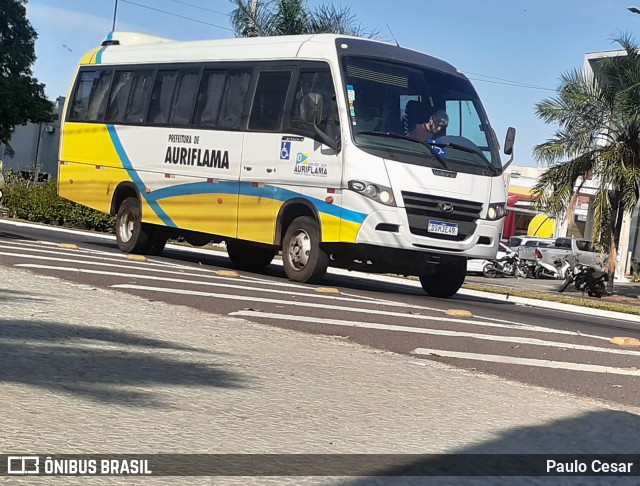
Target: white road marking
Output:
[(137, 276), (539, 363), (335, 308), (437, 332), (209, 274), (88, 254)]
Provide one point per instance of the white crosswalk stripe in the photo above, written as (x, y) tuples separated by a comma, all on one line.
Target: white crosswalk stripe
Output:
[(540, 363)]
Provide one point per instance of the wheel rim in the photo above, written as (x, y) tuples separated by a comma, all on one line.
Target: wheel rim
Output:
[(299, 249), (125, 228)]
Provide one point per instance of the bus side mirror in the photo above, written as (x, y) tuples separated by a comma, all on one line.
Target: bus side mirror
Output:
[(509, 142), (313, 108)]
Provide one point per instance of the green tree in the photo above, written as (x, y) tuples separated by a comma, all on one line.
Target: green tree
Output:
[(253, 18), (598, 139), (22, 98)]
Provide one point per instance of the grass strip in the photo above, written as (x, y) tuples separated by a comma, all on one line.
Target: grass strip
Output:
[(564, 299)]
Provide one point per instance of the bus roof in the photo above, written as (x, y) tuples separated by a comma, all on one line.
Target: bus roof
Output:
[(134, 48)]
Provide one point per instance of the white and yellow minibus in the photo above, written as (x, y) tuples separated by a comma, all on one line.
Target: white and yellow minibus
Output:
[(296, 144)]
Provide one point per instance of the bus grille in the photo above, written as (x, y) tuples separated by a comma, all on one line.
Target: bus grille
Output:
[(423, 207)]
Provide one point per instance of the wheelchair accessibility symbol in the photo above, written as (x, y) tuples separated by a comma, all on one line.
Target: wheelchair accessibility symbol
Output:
[(285, 150)]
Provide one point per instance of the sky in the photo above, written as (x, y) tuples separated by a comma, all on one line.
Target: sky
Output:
[(514, 51)]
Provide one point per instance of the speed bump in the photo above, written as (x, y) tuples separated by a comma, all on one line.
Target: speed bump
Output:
[(136, 258), (68, 246), (227, 273), (327, 290), (459, 313), (625, 341)]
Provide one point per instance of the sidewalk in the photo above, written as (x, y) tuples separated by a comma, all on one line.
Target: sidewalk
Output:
[(84, 370)]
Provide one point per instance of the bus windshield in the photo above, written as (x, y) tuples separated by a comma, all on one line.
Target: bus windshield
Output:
[(388, 100)]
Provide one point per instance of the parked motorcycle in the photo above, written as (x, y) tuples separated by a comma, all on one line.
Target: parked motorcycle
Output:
[(545, 270), (586, 279), (510, 265)]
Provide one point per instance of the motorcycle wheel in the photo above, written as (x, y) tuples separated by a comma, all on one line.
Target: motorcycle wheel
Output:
[(565, 284), (489, 271), (597, 289), (541, 273)]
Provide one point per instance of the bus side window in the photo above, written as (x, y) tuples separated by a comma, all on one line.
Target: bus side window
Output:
[(119, 96), (82, 95), (268, 102), (98, 102), (90, 96), (138, 96), (173, 97), (221, 99), (319, 82)]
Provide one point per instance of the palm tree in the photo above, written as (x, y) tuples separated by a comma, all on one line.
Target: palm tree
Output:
[(252, 18), (599, 139)]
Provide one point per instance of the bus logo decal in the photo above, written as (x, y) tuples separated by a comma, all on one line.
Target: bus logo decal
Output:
[(444, 173), (446, 207), (302, 159)]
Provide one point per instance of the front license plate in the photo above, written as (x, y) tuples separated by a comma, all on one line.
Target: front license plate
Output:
[(443, 228)]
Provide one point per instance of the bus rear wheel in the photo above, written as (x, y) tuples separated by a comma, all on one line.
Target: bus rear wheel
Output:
[(446, 279), (247, 256), (134, 236), (303, 259)]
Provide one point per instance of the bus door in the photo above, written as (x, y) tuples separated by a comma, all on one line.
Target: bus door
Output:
[(259, 175), (310, 161)]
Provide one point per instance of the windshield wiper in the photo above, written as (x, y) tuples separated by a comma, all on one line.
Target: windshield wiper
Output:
[(435, 154), (470, 150)]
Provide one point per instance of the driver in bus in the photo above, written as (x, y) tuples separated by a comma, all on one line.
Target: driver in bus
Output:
[(432, 128)]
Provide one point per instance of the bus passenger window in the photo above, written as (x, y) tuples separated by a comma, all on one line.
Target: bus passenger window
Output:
[(173, 97), (90, 97), (268, 102), (140, 92), (221, 99)]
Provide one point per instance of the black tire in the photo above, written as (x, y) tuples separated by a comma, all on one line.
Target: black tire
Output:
[(132, 235), (597, 290), (303, 259), (446, 280), (539, 273), (489, 271), (197, 239), (565, 284), (158, 240), (247, 256)]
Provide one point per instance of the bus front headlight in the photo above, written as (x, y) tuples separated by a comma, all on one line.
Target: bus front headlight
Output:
[(496, 211), (376, 192)]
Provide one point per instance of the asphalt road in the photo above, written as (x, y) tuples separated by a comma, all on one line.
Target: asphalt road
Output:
[(535, 345)]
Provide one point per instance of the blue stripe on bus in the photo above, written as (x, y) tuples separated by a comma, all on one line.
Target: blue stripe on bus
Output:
[(126, 163), (99, 55), (247, 189)]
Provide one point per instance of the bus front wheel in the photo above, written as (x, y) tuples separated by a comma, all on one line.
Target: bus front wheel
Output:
[(446, 278), (303, 259), (134, 236)]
